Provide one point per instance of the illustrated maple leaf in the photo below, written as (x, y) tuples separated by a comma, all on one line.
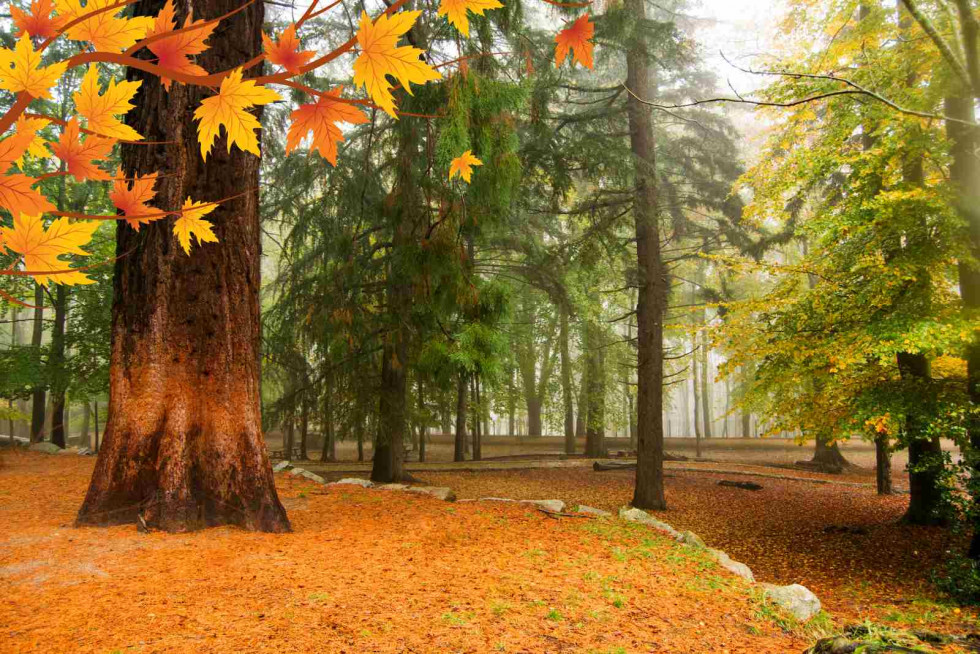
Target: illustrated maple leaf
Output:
[(191, 223), (20, 70), (39, 23), (40, 247), (321, 118), (174, 52), (575, 39), (455, 11), (78, 155), (463, 166), (17, 194), (286, 52), (229, 109), (37, 147), (106, 31), (131, 197), (101, 110), (380, 57)]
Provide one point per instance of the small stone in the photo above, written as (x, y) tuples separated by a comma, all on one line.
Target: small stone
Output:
[(692, 539), (46, 448), (795, 599), (393, 487), (353, 481), (589, 510), (737, 568), (282, 465), (555, 506), (439, 492), (312, 476)]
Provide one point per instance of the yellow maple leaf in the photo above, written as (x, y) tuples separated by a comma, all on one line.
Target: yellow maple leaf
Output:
[(380, 57), (40, 247), (105, 30), (191, 222), (229, 109), (20, 70), (37, 147), (17, 192), (463, 166), (101, 110), (455, 11)]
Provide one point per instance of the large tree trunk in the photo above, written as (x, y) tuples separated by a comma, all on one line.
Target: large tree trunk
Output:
[(652, 279), (533, 416), (388, 464), (183, 446), (566, 383), (39, 394), (925, 453), (59, 380), (827, 457)]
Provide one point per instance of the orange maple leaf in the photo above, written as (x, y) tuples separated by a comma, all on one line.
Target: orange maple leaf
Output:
[(173, 53), (575, 39), (131, 198), (78, 155), (286, 52), (17, 194), (321, 118), (39, 22), (463, 166), (40, 247)]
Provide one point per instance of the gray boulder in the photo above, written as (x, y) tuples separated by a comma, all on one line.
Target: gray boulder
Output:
[(282, 465), (735, 567), (439, 492), (795, 599), (46, 448), (590, 510), (353, 481), (644, 518), (312, 476)]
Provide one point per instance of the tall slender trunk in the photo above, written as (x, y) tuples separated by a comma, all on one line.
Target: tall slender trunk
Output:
[(304, 428), (566, 382), (57, 364), (696, 390), (459, 449), (582, 419), (595, 445), (39, 395), (423, 425), (327, 453), (652, 274), (965, 175), (183, 446), (705, 384), (86, 417), (511, 404), (477, 410), (96, 415)]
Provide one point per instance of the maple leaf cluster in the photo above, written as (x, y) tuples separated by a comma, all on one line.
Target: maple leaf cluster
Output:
[(107, 36)]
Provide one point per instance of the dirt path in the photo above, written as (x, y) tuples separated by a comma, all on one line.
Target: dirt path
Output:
[(365, 571)]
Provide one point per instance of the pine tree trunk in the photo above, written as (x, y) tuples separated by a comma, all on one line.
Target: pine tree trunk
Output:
[(304, 428), (39, 395), (595, 445), (57, 366), (98, 444), (423, 425), (652, 298), (327, 453), (566, 383), (477, 432), (388, 464), (183, 446), (459, 449)]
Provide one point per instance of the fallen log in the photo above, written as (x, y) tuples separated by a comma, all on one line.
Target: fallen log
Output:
[(601, 466), (744, 485)]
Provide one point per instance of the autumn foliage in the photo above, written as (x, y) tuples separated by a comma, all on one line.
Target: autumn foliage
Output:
[(107, 36)]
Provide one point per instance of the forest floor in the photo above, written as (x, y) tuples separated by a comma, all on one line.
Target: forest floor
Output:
[(364, 571)]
